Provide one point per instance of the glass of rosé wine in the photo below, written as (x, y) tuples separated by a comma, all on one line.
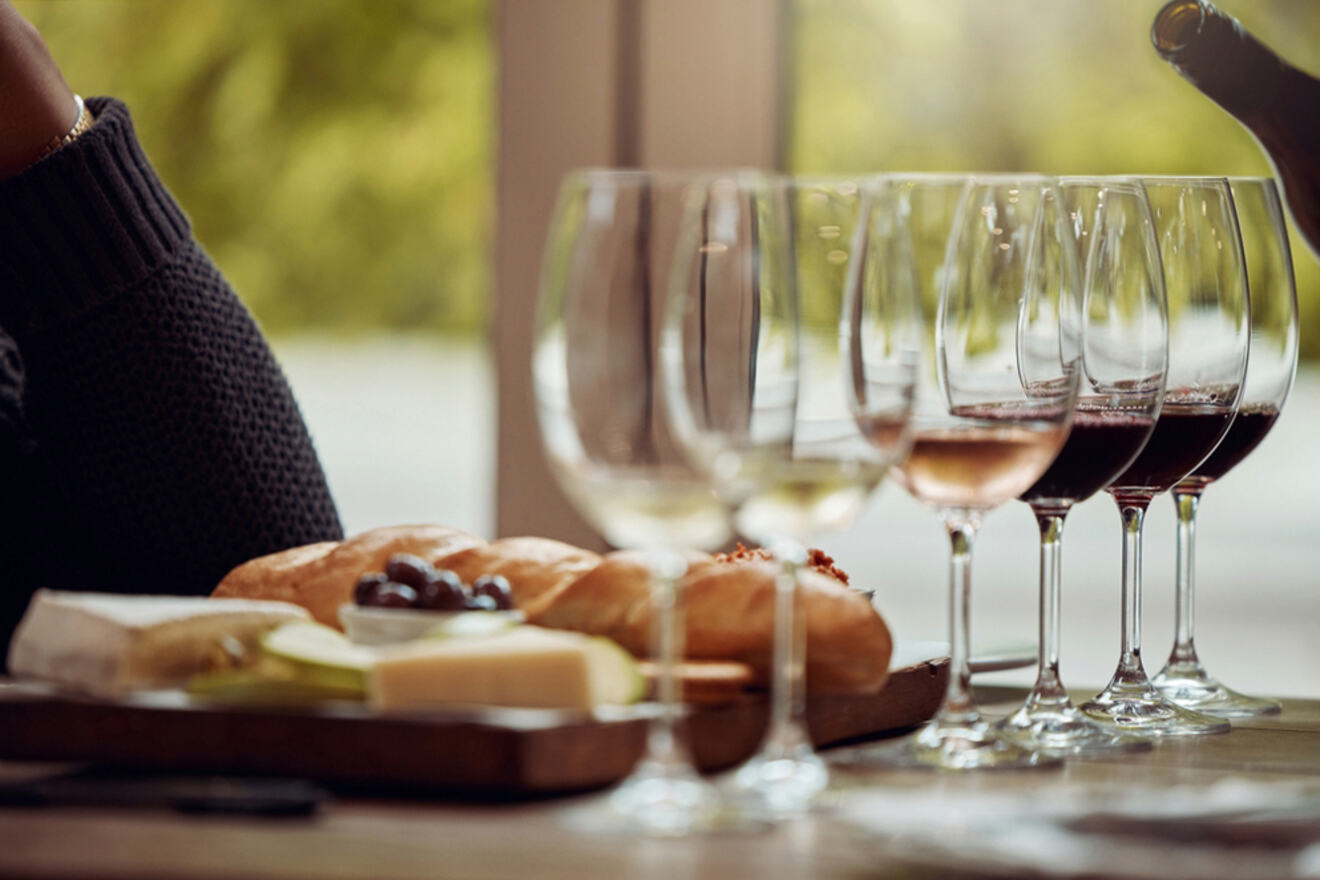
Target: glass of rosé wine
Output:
[(996, 388)]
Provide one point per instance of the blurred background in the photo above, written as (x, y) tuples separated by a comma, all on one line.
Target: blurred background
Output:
[(374, 178)]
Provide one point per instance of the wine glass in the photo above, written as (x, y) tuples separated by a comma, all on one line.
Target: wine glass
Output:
[(1124, 355), (755, 378), (928, 206), (1271, 365), (1209, 326), (607, 262), (993, 405)]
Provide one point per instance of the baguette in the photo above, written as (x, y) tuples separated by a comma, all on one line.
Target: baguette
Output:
[(536, 568), (729, 613), (320, 577)]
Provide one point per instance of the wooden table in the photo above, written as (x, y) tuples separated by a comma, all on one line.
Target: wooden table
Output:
[(355, 837)]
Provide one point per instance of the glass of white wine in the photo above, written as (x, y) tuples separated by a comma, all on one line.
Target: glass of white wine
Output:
[(607, 263), (994, 401), (755, 377)]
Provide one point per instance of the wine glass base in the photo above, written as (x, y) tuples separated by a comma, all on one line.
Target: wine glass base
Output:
[(1191, 687), (780, 785), (677, 813), (1145, 712), (1064, 731), (664, 800), (953, 747)]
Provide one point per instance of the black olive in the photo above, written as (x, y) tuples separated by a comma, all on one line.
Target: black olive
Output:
[(391, 594), (481, 603), (366, 585), (445, 591), (497, 588), (404, 568)]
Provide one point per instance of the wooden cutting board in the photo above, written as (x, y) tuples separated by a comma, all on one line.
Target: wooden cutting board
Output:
[(496, 752)]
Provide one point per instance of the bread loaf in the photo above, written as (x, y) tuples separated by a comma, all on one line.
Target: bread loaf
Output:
[(729, 600), (536, 568), (320, 577)]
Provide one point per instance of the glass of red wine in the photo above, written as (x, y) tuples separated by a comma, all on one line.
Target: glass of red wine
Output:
[(994, 399), (1205, 284), (1270, 370), (1124, 357)]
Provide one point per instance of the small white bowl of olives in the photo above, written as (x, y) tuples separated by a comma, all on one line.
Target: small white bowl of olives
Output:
[(410, 599)]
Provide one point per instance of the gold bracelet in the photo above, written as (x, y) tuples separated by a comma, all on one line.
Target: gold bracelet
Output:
[(80, 127)]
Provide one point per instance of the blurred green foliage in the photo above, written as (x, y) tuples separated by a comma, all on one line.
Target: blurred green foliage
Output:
[(336, 156), (1062, 87)]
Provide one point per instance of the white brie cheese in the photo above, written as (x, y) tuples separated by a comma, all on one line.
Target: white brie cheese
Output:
[(107, 644)]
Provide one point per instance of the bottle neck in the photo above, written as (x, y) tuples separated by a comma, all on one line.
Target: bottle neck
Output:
[(1213, 52)]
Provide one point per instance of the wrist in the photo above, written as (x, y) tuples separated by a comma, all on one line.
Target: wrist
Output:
[(27, 131), (81, 122), (36, 104)]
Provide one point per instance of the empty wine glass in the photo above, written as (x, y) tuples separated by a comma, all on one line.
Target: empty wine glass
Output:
[(928, 206), (1124, 355), (755, 379), (1271, 365), (607, 262), (994, 401), (1209, 326)]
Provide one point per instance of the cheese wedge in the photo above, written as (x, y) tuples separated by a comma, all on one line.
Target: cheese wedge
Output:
[(108, 644), (526, 666)]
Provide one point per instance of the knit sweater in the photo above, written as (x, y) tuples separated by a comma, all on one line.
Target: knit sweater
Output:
[(148, 439)]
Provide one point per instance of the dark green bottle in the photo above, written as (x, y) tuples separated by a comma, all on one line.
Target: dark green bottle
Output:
[(1278, 103)]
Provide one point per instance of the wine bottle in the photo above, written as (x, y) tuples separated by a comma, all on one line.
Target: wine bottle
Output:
[(1278, 103)]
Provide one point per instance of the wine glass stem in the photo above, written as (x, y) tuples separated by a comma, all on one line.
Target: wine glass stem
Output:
[(787, 695), (667, 570), (1133, 511), (959, 707), (1187, 502), (1048, 686)]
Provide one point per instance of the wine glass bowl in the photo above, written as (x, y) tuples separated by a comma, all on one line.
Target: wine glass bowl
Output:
[(611, 244), (1271, 367), (731, 335), (820, 480)]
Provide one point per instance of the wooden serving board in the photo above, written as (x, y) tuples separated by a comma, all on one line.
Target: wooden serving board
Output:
[(490, 752)]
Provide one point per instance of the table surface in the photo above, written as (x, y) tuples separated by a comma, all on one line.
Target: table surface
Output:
[(358, 837)]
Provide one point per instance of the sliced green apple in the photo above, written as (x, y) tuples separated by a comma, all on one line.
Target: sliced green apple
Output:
[(322, 657), (471, 624), (270, 682), (616, 675)]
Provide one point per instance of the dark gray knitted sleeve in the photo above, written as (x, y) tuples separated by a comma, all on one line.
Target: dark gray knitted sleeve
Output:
[(151, 441)]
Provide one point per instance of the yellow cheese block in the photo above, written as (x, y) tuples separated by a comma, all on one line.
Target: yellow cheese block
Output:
[(526, 666)]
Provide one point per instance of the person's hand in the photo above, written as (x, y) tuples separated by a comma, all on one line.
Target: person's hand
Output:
[(36, 104)]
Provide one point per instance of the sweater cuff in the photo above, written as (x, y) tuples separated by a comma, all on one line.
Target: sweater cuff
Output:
[(84, 224)]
